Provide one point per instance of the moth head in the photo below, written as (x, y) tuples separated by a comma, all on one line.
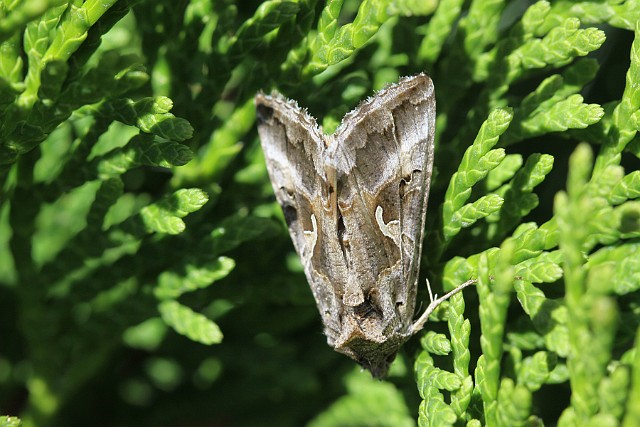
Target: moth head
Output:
[(374, 357), (379, 368), (366, 340)]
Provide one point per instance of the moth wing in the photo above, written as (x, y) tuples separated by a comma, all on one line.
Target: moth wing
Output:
[(295, 151), (383, 153)]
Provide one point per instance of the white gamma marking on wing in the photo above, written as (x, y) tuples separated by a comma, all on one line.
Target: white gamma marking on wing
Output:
[(311, 237), (391, 229)]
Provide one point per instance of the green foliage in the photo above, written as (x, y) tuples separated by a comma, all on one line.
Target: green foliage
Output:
[(146, 276), (367, 402), (10, 422)]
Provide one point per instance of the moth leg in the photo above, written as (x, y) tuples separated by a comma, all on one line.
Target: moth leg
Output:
[(435, 302)]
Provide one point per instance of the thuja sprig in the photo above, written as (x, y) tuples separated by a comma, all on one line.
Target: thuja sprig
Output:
[(333, 44), (328, 22), (460, 331), (476, 163), (355, 406), (140, 151), (478, 29), (575, 211), (193, 325), (559, 46), (222, 148), (618, 14), (269, 16), (516, 258), (481, 15), (538, 113), (438, 29), (514, 404), (620, 263), (72, 24), (624, 118), (504, 171), (165, 216), (516, 56), (494, 301), (22, 13), (10, 421), (433, 410), (173, 284), (533, 371), (518, 195), (626, 188), (632, 413)]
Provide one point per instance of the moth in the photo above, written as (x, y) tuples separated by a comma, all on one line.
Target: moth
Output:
[(355, 204)]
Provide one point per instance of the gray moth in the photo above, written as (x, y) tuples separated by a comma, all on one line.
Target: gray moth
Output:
[(355, 204)]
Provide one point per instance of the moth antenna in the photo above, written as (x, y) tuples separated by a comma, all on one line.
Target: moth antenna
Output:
[(435, 302)]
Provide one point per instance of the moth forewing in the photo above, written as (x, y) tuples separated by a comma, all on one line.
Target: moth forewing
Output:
[(355, 203)]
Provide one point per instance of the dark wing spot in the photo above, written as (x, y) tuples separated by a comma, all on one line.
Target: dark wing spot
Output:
[(264, 113), (368, 309), (414, 173), (406, 180), (343, 238), (290, 214), (341, 229), (402, 188)]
